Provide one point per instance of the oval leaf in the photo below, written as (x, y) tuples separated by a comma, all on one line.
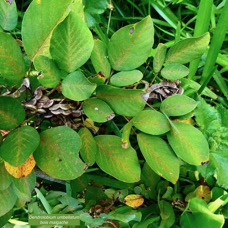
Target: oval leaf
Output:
[(125, 78), (12, 65), (58, 153), (88, 149), (11, 113), (134, 200), (178, 105), (188, 143), (23, 188), (151, 122), (19, 145), (77, 87), (8, 199), (159, 156), (99, 58), (159, 57), (131, 45), (8, 15), (21, 171), (126, 102), (98, 110), (5, 178), (120, 163), (71, 43), (41, 18), (174, 71), (186, 50), (50, 74)]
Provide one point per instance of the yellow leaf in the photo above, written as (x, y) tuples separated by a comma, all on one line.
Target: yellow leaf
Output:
[(203, 192), (90, 124), (23, 170), (133, 200)]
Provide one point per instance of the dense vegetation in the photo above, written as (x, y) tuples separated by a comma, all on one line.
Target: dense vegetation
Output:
[(115, 111)]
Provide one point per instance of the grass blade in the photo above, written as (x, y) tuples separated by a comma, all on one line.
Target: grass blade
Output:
[(202, 24)]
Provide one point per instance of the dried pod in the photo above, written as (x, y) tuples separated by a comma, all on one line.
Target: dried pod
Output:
[(56, 112), (54, 107), (41, 111), (38, 92), (66, 112), (64, 106)]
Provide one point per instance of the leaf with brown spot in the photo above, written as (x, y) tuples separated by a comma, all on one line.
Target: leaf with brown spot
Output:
[(134, 200), (23, 170)]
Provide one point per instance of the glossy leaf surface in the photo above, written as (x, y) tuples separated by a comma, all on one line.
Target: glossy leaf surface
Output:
[(11, 113), (126, 102), (8, 15), (118, 162), (178, 105), (12, 65), (71, 43), (99, 58), (174, 71), (41, 18), (88, 149), (98, 110), (151, 122), (19, 145), (159, 156), (58, 153), (125, 78), (188, 143), (130, 46), (77, 87), (186, 50), (50, 74)]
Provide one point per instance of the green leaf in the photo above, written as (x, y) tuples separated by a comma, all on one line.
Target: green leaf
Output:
[(200, 216), (58, 153), (186, 50), (159, 57), (159, 156), (167, 214), (125, 78), (5, 218), (120, 163), (11, 113), (220, 161), (99, 58), (19, 145), (7, 199), (188, 143), (151, 122), (126, 102), (88, 149), (12, 65), (77, 87), (174, 71), (5, 178), (71, 43), (23, 188), (39, 21), (131, 45), (178, 105), (97, 110), (8, 15), (50, 74), (186, 83), (150, 179), (126, 215)]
